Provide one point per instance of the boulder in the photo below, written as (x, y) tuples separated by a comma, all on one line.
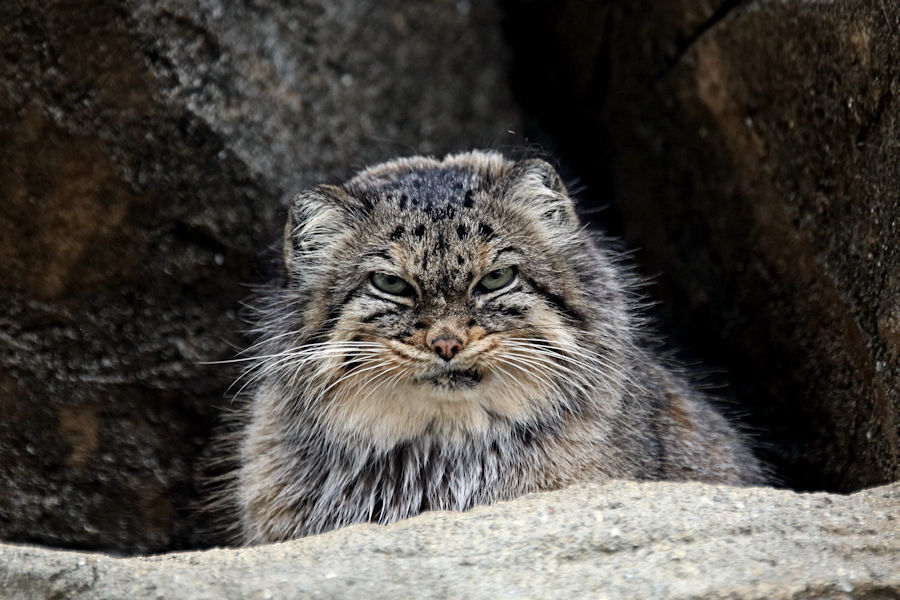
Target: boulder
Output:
[(615, 540)]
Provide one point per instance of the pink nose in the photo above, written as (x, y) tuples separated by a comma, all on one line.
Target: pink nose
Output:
[(446, 346)]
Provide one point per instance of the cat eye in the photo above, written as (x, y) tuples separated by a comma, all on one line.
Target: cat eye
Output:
[(391, 284), (496, 279)]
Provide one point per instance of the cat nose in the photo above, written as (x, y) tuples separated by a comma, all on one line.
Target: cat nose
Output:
[(446, 346)]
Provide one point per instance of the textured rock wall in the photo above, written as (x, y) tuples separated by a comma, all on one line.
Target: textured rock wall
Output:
[(750, 151), (617, 540), (770, 193), (145, 148)]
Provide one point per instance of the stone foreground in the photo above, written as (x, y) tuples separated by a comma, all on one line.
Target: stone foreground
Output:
[(613, 540)]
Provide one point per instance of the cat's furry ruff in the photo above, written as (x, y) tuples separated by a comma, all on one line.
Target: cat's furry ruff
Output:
[(355, 416)]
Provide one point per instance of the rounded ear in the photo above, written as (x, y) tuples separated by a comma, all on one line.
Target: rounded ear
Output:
[(535, 184), (315, 219)]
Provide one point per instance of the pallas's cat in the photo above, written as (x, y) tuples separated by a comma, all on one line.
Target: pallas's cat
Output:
[(449, 334)]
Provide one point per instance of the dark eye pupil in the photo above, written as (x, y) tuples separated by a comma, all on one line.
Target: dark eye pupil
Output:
[(391, 280)]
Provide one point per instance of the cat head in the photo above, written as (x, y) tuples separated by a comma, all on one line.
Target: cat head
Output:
[(440, 295)]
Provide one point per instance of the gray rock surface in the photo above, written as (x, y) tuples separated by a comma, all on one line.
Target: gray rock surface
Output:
[(145, 149), (615, 540)]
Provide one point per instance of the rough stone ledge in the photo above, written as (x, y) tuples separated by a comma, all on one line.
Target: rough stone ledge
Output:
[(614, 540)]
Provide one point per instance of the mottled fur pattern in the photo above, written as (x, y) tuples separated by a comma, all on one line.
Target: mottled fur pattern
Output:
[(359, 414)]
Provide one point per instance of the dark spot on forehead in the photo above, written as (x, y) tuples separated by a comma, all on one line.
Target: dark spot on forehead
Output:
[(441, 244), (403, 200), (469, 199), (462, 231), (441, 185), (395, 235), (460, 260), (486, 230), (420, 231)]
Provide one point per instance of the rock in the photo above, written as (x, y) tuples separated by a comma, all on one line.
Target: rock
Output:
[(799, 275), (146, 148), (615, 540), (750, 149)]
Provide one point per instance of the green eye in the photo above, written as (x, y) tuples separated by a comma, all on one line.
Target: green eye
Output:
[(391, 284), (497, 279)]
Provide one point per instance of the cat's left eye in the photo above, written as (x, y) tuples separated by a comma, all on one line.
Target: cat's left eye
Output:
[(391, 284), (496, 279)]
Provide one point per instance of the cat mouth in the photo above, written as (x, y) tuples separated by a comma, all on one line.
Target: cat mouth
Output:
[(452, 379)]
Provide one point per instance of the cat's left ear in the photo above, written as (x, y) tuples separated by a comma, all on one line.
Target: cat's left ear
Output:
[(535, 184), (317, 218)]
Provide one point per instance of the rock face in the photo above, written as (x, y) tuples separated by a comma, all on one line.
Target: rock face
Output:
[(618, 540), (781, 161), (145, 148), (751, 152)]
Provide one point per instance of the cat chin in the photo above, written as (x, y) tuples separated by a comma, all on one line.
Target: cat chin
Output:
[(451, 381), (414, 409)]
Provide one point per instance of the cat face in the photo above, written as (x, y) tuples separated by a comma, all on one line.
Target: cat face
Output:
[(440, 295)]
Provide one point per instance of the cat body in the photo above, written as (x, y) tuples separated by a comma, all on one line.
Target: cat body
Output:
[(450, 335)]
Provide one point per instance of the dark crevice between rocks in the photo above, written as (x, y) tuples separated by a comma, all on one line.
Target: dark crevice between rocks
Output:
[(724, 10), (554, 97), (565, 122), (884, 101)]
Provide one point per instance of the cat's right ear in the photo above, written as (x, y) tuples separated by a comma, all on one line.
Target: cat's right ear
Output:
[(534, 185), (316, 218)]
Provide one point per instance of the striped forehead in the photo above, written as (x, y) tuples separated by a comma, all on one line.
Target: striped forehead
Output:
[(443, 256), (438, 235)]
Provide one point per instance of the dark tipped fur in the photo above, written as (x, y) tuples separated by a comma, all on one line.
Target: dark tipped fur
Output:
[(450, 335)]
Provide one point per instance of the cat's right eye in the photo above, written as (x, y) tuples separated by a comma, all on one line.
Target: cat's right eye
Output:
[(391, 284), (496, 279)]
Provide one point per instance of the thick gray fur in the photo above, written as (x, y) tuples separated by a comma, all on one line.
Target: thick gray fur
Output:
[(355, 417)]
